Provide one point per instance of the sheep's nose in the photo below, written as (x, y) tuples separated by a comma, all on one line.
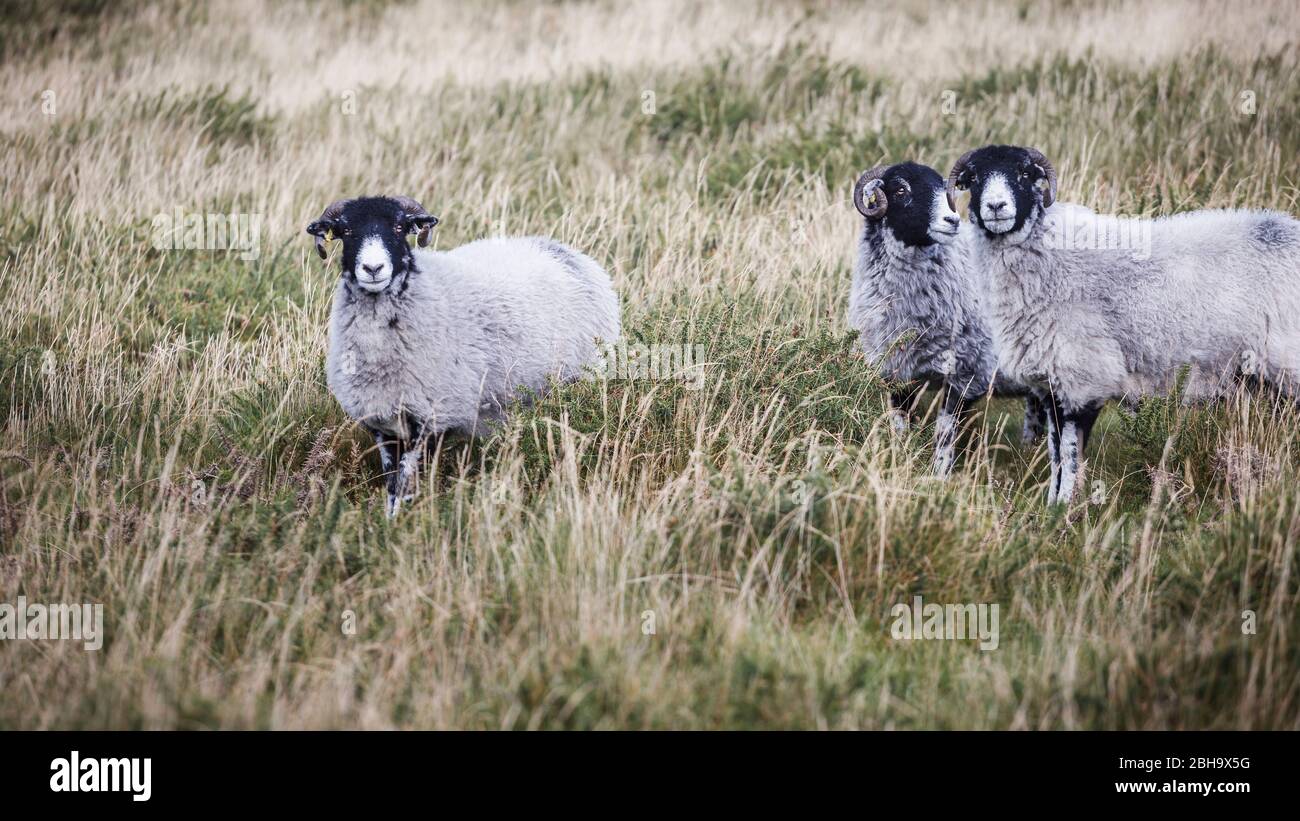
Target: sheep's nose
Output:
[(373, 270), (995, 207), (953, 220)]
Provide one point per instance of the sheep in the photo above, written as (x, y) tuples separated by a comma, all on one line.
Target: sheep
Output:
[(916, 302), (1198, 301), (424, 343)]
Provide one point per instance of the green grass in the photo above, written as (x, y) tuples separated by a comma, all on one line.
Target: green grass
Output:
[(168, 446)]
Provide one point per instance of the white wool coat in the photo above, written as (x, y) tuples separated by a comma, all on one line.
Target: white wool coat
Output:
[(478, 327), (1216, 291)]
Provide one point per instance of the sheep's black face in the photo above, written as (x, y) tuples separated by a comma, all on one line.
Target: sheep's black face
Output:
[(1006, 188), (917, 211), (374, 230)]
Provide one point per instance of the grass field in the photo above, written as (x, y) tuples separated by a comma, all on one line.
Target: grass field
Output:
[(169, 449)]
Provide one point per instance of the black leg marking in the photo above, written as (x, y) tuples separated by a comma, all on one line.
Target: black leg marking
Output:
[(901, 403), (408, 465), (1075, 427), (1085, 419), (389, 449), (1035, 419)]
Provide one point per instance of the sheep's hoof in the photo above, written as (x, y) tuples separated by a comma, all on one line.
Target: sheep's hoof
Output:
[(393, 505)]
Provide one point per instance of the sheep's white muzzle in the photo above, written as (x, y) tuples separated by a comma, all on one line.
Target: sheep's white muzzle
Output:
[(943, 227), (374, 269), (374, 286), (997, 205)]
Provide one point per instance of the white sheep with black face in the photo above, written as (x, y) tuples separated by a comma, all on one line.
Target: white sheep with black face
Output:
[(1214, 295), (426, 343), (917, 301)]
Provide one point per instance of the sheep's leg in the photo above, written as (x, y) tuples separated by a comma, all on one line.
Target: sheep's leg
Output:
[(1086, 418), (389, 451), (426, 445), (1070, 431), (1075, 429), (408, 469), (1035, 419), (900, 405), (1069, 457), (946, 429), (1053, 451), (403, 486)]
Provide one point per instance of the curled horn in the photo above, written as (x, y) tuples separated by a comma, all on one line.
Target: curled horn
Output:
[(322, 226), (957, 170), (867, 187), (1037, 158), (424, 219)]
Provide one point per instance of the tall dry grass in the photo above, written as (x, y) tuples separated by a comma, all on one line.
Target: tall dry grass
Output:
[(169, 448)]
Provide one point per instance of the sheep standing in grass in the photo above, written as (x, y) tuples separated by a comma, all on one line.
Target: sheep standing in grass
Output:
[(426, 343), (917, 301), (1212, 294)]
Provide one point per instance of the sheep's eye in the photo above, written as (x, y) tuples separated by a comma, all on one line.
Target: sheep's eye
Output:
[(344, 232), (399, 229)]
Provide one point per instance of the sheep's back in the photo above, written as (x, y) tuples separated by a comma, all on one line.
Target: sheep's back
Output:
[(1200, 289), (525, 311)]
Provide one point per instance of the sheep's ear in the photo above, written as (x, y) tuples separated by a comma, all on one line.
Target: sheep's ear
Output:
[(322, 230), (1043, 184), (424, 223)]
